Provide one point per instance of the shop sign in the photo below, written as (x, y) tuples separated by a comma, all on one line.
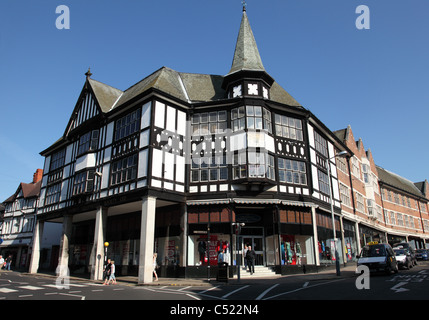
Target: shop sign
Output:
[(248, 218)]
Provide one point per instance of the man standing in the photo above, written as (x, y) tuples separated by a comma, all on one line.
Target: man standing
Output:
[(250, 257)]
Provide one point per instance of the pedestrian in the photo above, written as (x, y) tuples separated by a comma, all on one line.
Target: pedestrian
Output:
[(106, 272), (155, 266), (1, 262), (112, 277), (250, 257), (8, 262), (244, 255), (221, 257)]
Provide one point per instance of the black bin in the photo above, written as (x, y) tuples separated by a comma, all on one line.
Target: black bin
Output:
[(223, 272)]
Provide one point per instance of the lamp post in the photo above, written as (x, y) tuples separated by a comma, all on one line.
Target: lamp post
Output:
[(238, 256), (106, 244), (328, 168)]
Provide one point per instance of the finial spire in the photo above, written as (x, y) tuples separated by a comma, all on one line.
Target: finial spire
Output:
[(88, 73), (243, 2)]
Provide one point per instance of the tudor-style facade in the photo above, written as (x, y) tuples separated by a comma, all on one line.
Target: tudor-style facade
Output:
[(174, 163)]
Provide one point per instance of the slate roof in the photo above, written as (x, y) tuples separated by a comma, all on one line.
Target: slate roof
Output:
[(394, 180)]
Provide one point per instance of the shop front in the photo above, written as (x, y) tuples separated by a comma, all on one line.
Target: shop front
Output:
[(281, 236)]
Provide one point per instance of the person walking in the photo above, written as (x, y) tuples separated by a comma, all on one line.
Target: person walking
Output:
[(155, 266), (8, 262), (112, 277), (106, 272), (250, 257)]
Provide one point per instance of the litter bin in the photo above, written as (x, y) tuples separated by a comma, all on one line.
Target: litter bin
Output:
[(223, 272)]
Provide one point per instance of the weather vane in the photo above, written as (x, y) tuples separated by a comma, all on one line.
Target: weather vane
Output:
[(243, 2)]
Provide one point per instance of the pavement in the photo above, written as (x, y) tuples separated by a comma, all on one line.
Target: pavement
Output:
[(325, 274)]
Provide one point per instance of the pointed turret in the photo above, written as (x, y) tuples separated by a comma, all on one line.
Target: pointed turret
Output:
[(246, 55), (247, 70)]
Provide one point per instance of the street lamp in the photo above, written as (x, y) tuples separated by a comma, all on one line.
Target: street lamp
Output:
[(106, 244), (328, 168), (238, 256)]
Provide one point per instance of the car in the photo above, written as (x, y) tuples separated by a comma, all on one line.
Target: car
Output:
[(403, 257), (378, 257), (422, 254), (406, 246)]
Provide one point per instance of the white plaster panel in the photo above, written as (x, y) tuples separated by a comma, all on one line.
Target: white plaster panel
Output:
[(143, 163), (171, 119), (85, 161), (145, 120), (159, 114), (109, 133), (181, 123)]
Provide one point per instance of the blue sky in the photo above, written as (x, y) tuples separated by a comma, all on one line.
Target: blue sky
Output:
[(375, 80)]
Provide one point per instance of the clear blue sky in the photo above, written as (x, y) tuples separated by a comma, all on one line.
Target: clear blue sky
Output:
[(375, 80)]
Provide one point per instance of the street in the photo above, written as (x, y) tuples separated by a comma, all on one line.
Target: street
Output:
[(407, 284)]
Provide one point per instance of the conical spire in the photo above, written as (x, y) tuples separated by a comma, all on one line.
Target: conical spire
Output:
[(246, 55)]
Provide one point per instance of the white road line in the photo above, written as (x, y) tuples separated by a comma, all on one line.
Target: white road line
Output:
[(7, 290), (212, 288), (232, 292), (302, 288), (190, 295), (184, 288), (25, 296), (266, 291), (30, 288)]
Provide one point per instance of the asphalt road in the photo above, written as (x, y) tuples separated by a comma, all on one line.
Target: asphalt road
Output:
[(407, 284)]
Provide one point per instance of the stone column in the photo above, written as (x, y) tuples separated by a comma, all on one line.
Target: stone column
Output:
[(147, 234), (63, 260), (97, 253), (316, 238), (37, 239)]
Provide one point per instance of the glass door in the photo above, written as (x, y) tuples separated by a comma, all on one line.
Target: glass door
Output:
[(257, 244)]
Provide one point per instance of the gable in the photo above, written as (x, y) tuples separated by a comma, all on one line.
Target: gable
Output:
[(96, 98)]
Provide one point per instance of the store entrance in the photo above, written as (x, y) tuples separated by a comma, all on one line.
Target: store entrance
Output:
[(257, 244)]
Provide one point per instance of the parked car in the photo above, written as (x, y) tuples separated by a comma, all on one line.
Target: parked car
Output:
[(378, 257), (403, 257), (422, 254)]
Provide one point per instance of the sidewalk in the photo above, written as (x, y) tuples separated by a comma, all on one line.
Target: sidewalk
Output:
[(346, 272)]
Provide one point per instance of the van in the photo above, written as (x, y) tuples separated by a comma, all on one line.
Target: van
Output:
[(378, 257)]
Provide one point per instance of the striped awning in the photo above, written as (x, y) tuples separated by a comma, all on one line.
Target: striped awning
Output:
[(250, 201)]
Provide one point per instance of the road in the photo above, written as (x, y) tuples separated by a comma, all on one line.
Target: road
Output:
[(407, 284)]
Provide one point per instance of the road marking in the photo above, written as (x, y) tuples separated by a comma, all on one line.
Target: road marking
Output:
[(208, 290), (184, 288), (400, 284), (305, 284), (190, 295), (266, 291), (30, 288), (25, 296), (302, 288), (228, 294), (7, 290)]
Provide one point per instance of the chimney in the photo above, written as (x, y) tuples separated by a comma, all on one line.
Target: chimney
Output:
[(37, 176)]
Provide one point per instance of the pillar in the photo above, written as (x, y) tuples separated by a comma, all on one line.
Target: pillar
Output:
[(316, 238), (97, 253), (147, 234), (37, 239), (183, 235), (63, 260)]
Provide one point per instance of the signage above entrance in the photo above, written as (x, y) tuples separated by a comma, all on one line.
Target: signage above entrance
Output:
[(248, 218)]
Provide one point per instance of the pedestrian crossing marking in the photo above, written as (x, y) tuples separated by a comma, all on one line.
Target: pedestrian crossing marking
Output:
[(7, 290), (30, 288)]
